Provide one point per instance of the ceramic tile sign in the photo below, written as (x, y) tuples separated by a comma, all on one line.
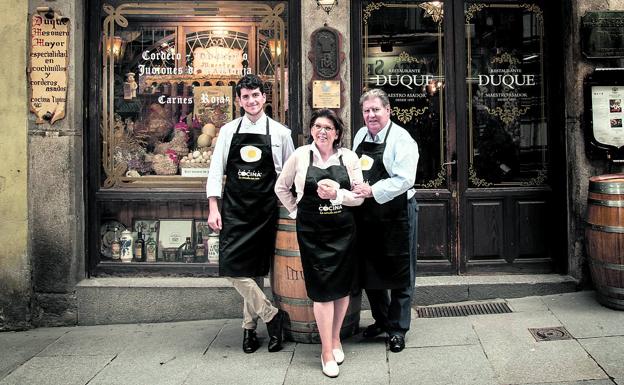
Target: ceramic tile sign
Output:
[(49, 46)]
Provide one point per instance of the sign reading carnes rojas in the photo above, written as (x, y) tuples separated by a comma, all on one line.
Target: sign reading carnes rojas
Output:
[(49, 36)]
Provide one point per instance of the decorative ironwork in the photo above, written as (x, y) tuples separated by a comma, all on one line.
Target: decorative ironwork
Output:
[(407, 114), (369, 10), (507, 114), (537, 181), (539, 14), (269, 18), (405, 57), (476, 181), (505, 58), (474, 8), (437, 182), (326, 55), (434, 10)]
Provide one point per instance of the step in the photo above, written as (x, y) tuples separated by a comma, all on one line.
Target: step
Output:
[(169, 299)]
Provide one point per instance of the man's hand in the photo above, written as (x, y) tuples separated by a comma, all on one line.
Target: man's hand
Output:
[(362, 190), (214, 216)]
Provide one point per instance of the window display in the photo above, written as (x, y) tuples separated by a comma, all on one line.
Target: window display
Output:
[(168, 72)]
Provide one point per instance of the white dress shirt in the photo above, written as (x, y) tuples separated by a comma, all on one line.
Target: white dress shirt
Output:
[(400, 159), (281, 143), (296, 168)]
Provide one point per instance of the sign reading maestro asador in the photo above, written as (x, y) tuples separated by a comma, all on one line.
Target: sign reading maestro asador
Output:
[(49, 35)]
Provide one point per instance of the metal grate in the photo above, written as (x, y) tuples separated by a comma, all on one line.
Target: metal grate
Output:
[(462, 310), (556, 333)]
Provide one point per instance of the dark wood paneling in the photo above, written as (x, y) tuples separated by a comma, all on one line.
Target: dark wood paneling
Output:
[(487, 230), (533, 228), (433, 231)]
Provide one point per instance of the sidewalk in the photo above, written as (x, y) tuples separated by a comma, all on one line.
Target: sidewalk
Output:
[(479, 350)]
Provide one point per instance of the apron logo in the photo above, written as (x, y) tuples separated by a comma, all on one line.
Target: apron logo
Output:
[(366, 162), (250, 154), (329, 209), (249, 174)]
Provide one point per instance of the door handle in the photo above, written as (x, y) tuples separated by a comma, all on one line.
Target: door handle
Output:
[(447, 163)]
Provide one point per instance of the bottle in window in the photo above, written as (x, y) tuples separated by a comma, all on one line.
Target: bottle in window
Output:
[(126, 246), (116, 246), (139, 247), (200, 250), (187, 254), (151, 249)]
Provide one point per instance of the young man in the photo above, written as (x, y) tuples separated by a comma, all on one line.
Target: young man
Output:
[(387, 221), (250, 152)]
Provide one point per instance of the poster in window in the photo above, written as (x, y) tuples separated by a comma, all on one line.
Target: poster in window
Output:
[(607, 114), (213, 104)]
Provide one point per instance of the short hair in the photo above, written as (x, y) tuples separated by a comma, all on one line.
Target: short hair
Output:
[(336, 121), (250, 82), (375, 93)]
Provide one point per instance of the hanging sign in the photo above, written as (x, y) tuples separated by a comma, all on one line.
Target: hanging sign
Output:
[(47, 82)]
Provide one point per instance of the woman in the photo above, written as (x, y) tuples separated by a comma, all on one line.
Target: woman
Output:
[(323, 173)]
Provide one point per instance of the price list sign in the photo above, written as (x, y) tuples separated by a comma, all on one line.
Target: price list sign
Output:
[(49, 36)]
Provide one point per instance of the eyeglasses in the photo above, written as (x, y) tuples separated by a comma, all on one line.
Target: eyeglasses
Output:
[(325, 128)]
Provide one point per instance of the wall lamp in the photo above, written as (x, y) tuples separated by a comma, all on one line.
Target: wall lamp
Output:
[(327, 5)]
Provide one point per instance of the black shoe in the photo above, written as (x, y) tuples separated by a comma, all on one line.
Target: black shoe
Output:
[(275, 329), (373, 330), (397, 343), (250, 341)]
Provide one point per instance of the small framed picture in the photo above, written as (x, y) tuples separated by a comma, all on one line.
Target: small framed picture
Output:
[(172, 233)]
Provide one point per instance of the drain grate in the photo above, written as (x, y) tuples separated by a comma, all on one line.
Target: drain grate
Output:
[(462, 310), (556, 333)]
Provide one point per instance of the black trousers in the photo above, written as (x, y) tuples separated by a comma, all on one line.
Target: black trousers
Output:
[(393, 308)]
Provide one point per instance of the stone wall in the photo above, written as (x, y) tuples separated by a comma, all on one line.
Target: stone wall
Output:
[(580, 167), (314, 18), (15, 287), (56, 189)]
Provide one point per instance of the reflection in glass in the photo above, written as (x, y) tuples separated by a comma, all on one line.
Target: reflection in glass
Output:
[(403, 55), (506, 104)]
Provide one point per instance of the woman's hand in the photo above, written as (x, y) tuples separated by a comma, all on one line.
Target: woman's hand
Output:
[(326, 191), (362, 190)]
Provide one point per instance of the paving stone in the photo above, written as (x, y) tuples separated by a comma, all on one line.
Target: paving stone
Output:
[(259, 368), (609, 352), (584, 317), (590, 382), (440, 332), (95, 340), (517, 358), (445, 365), (60, 370), (148, 368), (527, 304), (18, 347), (365, 363)]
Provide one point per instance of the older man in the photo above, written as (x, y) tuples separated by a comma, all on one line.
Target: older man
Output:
[(387, 221)]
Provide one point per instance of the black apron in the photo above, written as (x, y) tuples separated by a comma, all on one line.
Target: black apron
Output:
[(383, 229), (326, 235), (249, 207)]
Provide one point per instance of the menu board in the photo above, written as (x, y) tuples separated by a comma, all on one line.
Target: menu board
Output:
[(607, 114)]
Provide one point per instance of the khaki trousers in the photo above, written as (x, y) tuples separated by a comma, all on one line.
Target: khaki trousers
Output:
[(256, 304)]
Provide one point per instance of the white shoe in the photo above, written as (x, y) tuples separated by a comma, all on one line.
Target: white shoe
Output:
[(338, 355), (330, 369)]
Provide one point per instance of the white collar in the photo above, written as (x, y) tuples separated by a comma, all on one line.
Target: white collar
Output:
[(260, 122)]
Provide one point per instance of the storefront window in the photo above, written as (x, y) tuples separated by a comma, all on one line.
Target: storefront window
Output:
[(404, 56), (506, 101), (167, 86)]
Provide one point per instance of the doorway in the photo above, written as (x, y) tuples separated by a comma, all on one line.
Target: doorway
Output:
[(470, 82)]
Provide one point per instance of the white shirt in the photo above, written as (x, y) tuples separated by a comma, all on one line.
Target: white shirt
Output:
[(400, 159), (281, 145), (296, 168)]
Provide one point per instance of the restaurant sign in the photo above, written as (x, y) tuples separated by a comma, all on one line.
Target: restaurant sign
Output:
[(49, 36)]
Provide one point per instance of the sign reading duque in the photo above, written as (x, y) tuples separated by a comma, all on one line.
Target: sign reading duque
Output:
[(49, 35)]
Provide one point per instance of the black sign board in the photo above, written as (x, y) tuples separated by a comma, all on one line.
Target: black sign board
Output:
[(602, 34)]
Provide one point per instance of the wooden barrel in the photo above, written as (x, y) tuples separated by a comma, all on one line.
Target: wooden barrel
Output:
[(605, 238), (289, 292)]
